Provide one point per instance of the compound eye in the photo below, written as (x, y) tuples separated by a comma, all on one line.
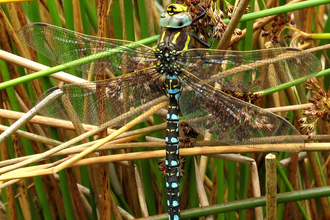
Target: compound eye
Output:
[(164, 19), (180, 20)]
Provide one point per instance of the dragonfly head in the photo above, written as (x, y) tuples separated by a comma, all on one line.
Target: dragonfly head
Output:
[(175, 16)]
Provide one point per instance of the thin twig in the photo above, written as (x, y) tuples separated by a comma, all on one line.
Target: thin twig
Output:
[(27, 116)]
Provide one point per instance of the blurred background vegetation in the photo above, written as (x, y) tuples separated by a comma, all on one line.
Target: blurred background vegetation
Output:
[(135, 188)]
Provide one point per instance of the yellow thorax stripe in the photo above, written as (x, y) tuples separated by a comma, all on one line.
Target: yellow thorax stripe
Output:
[(187, 43), (163, 36), (175, 37)]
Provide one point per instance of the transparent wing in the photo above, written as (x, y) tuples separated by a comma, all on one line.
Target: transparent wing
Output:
[(114, 99), (249, 71), (230, 120), (63, 46)]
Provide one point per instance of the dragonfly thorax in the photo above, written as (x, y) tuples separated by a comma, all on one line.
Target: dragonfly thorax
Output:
[(167, 57)]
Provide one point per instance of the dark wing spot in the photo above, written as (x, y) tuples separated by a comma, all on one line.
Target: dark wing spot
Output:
[(40, 24), (52, 89), (292, 49)]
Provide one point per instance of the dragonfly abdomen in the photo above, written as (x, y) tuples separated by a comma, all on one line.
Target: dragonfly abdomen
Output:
[(173, 87)]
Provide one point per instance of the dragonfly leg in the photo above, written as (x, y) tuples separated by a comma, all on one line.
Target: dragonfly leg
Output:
[(203, 42), (213, 31), (201, 15)]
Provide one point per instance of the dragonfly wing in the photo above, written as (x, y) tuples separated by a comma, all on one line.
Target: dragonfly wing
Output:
[(121, 98), (64, 46), (250, 71), (230, 120)]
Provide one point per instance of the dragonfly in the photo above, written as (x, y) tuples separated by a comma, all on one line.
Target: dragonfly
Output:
[(191, 79)]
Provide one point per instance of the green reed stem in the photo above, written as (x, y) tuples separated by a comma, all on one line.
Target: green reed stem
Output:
[(54, 14), (280, 10), (252, 203), (291, 83)]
